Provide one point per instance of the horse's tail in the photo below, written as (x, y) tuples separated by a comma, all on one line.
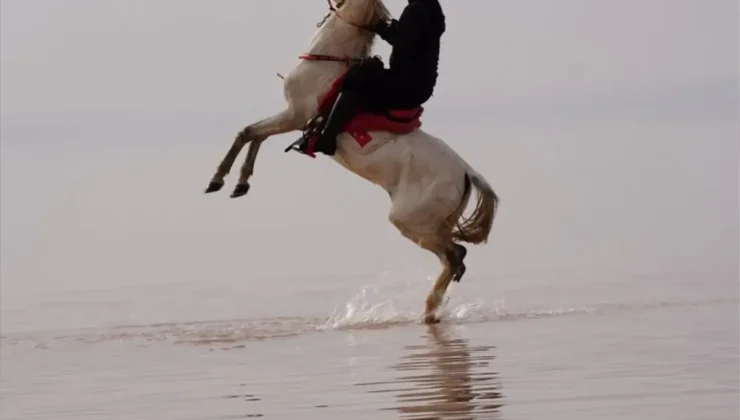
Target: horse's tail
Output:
[(476, 228)]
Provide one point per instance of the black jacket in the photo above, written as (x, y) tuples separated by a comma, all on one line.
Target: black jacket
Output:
[(415, 38)]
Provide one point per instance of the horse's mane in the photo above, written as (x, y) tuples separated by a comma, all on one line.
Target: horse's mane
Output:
[(364, 13)]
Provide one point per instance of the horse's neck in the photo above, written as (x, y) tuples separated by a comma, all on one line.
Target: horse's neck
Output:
[(311, 80)]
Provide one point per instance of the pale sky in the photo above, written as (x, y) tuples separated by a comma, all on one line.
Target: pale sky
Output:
[(173, 55), (609, 128)]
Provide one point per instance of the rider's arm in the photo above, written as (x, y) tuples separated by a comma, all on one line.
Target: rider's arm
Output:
[(405, 31), (409, 29)]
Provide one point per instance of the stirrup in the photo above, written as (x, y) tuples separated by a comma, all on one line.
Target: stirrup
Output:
[(298, 144), (310, 130)]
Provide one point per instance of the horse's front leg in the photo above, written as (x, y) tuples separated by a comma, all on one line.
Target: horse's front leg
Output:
[(277, 124), (260, 132), (242, 187)]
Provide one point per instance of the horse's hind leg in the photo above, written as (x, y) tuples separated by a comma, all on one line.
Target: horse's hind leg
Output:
[(453, 268), (455, 254), (438, 242), (435, 296)]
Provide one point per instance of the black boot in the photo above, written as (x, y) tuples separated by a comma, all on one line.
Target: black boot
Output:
[(343, 110)]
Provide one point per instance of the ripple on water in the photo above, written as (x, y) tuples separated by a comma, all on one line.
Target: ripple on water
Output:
[(358, 314)]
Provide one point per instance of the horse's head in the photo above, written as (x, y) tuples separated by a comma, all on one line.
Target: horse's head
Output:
[(345, 30), (361, 13)]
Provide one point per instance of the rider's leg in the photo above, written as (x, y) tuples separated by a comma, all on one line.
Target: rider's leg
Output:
[(360, 87), (344, 109)]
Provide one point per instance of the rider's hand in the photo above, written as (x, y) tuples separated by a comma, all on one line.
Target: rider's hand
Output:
[(383, 27)]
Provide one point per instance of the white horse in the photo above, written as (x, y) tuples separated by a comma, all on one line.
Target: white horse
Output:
[(428, 183)]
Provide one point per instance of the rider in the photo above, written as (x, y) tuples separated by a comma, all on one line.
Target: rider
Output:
[(408, 82)]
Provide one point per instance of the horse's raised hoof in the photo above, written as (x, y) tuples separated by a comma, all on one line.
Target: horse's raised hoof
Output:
[(431, 319), (214, 186), (456, 257), (240, 190)]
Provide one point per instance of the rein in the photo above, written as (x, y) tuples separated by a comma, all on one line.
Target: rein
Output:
[(321, 57)]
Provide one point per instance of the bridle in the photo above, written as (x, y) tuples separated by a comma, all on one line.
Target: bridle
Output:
[(333, 9), (321, 57)]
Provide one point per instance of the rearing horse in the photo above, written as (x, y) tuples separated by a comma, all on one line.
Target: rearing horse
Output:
[(428, 183)]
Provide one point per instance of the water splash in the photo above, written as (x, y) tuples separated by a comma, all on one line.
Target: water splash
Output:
[(375, 306), (370, 307)]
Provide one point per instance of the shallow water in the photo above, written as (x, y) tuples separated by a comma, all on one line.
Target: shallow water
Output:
[(669, 353)]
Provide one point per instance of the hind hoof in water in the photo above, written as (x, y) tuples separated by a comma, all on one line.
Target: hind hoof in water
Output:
[(240, 190), (214, 186)]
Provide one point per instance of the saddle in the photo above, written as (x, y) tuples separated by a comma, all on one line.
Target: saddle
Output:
[(359, 127)]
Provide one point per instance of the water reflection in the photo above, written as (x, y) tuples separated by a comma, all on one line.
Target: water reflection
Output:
[(445, 378)]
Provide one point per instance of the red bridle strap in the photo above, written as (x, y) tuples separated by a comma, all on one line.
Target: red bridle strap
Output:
[(321, 57)]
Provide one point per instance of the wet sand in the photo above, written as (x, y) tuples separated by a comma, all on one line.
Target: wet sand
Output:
[(638, 359)]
